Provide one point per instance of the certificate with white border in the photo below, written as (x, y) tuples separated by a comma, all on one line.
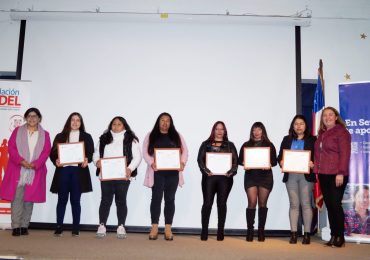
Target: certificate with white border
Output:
[(71, 153), (296, 161), (219, 163), (167, 159), (113, 168), (257, 158)]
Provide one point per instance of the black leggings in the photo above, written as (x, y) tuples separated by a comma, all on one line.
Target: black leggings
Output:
[(211, 185), (118, 189), (164, 183)]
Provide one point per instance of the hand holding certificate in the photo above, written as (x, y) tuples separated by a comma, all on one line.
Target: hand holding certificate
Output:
[(167, 159), (71, 153), (219, 163), (114, 168), (296, 161), (257, 158)]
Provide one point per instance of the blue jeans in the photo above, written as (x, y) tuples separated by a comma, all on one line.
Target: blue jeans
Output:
[(69, 183)]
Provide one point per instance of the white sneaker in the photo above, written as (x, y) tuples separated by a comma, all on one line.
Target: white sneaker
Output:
[(102, 231), (121, 232)]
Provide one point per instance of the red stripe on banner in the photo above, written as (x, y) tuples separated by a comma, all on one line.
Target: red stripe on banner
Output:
[(5, 211)]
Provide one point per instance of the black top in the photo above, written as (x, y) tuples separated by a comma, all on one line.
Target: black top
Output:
[(273, 159), (84, 173), (309, 144), (225, 147)]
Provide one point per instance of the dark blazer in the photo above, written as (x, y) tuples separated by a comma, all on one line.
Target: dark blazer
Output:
[(309, 144), (85, 179)]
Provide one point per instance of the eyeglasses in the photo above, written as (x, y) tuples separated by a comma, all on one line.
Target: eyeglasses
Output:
[(32, 116)]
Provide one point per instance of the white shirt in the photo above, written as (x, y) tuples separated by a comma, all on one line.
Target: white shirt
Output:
[(32, 140), (115, 149), (74, 137)]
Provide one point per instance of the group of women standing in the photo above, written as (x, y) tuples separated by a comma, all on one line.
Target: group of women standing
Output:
[(29, 147)]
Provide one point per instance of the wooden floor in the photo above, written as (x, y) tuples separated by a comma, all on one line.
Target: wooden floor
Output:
[(41, 244)]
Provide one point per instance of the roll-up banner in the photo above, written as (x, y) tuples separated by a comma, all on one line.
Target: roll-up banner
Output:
[(14, 101)]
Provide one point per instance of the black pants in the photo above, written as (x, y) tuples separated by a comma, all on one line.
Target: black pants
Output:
[(220, 185), (164, 183), (333, 200), (117, 188)]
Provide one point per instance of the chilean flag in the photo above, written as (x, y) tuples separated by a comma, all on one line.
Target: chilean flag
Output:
[(318, 106)]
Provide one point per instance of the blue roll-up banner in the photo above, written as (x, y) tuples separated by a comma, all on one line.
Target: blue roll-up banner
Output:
[(354, 99)]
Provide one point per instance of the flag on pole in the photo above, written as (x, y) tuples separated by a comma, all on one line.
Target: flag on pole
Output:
[(318, 106)]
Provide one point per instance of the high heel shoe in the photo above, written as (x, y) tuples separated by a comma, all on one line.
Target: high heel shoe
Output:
[(249, 237), (339, 241), (331, 241), (293, 238)]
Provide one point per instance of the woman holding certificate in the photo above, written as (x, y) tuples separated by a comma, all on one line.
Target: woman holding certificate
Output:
[(165, 152), (332, 154), (24, 181), (299, 184), (116, 156), (257, 155), (72, 175), (218, 163)]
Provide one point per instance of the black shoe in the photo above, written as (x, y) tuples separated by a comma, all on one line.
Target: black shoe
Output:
[(249, 237), (331, 241), (220, 235), (24, 231), (261, 235), (204, 235), (58, 231), (16, 232), (293, 238), (306, 238), (75, 233), (339, 241)]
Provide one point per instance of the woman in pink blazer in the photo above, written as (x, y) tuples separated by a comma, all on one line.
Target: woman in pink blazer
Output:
[(163, 182), (25, 177)]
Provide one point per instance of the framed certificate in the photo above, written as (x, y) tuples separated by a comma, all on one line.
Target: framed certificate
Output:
[(113, 168), (167, 158), (296, 161), (71, 153), (257, 158), (219, 163)]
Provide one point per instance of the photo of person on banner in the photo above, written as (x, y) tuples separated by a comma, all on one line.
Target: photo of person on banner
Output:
[(357, 219)]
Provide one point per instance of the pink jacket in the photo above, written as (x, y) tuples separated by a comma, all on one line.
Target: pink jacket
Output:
[(149, 176), (32, 193)]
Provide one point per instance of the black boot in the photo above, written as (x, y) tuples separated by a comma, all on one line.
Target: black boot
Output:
[(293, 238), (250, 213), (220, 234), (331, 241), (262, 214), (206, 212), (339, 241), (306, 238), (221, 212), (204, 234)]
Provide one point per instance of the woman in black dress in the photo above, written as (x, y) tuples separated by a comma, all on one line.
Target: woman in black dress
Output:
[(258, 183)]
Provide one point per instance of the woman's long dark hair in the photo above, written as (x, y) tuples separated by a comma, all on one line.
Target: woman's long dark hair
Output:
[(107, 137), (67, 126), (211, 137), (293, 134), (172, 134), (264, 136)]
